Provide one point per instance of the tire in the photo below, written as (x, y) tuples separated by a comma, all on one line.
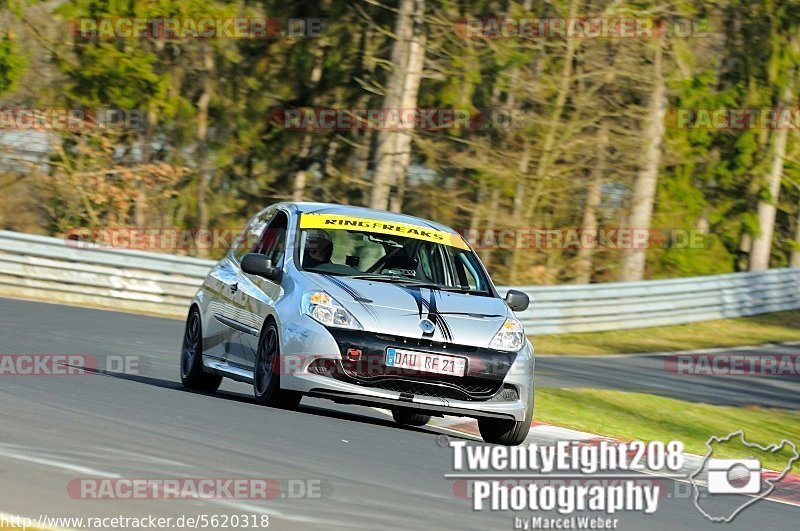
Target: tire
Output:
[(192, 374), (506, 432), (409, 418), (266, 373)]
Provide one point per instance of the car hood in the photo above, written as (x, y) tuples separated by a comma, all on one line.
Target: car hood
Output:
[(396, 309)]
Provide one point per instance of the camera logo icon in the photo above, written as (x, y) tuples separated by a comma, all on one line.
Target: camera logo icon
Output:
[(733, 485), (734, 476)]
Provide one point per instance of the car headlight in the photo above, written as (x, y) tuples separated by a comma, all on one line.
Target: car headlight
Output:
[(510, 337), (325, 310)]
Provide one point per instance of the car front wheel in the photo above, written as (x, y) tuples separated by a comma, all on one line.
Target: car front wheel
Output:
[(266, 373), (507, 432), (409, 418)]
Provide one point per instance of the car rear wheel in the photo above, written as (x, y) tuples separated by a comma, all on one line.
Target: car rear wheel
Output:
[(409, 418), (507, 432), (192, 374), (266, 373)]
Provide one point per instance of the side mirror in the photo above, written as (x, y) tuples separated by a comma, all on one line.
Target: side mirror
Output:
[(258, 264), (517, 300)]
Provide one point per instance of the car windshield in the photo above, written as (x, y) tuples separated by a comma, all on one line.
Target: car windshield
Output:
[(391, 258)]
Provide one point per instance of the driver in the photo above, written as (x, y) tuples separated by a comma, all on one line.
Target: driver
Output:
[(318, 249)]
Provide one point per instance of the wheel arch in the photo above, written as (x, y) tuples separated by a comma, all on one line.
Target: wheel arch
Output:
[(192, 307), (270, 318)]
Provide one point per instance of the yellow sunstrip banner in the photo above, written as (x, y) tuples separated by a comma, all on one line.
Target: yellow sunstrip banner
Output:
[(340, 222)]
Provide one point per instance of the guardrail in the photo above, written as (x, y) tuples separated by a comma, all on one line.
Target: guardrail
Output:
[(46, 268), (616, 306)]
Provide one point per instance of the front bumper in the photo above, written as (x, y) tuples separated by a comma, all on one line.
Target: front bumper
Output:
[(496, 384)]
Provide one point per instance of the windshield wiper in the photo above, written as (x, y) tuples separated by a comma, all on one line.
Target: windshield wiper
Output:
[(414, 282), (468, 291), (369, 277), (394, 280), (398, 280)]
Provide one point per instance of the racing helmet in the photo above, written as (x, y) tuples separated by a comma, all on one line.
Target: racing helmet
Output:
[(318, 249)]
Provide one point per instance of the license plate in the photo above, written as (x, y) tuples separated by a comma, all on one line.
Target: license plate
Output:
[(425, 362)]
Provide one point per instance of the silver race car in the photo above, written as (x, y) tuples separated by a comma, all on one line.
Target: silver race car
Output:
[(364, 307)]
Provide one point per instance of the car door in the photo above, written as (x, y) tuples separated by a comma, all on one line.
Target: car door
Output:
[(254, 294), (227, 343), (218, 336)]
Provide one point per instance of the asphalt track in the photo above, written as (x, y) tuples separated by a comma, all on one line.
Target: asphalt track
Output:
[(375, 475), (647, 373)]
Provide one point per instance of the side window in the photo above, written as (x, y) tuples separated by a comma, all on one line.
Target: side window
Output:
[(465, 270), (425, 263), (430, 260), (273, 240), (251, 235), (466, 274)]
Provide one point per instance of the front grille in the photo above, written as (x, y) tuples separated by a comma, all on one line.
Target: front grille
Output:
[(468, 391), (486, 369), (404, 342)]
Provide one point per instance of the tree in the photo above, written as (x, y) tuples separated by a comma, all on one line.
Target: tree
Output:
[(644, 187), (787, 52), (393, 152), (583, 266)]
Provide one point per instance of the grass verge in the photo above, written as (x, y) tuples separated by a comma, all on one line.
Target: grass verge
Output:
[(768, 328), (630, 416)]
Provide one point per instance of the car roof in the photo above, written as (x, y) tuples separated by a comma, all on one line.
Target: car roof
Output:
[(304, 207)]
